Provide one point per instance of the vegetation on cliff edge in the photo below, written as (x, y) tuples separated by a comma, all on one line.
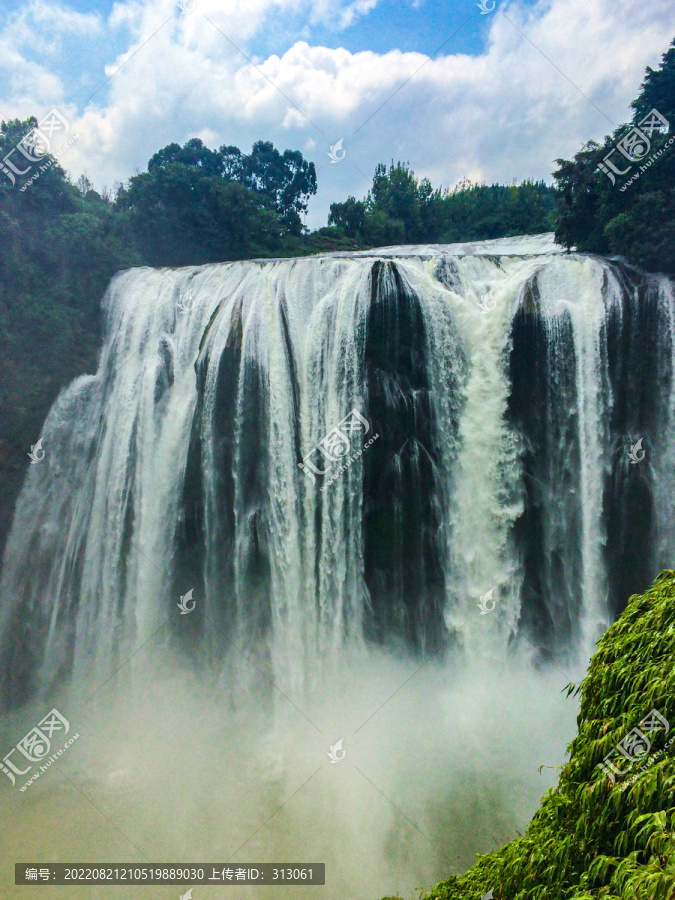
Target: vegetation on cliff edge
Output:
[(591, 839), (632, 214)]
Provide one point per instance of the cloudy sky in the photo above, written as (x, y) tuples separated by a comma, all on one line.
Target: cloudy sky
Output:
[(457, 92)]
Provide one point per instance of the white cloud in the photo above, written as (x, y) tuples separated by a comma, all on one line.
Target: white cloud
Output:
[(59, 19), (328, 12), (30, 41), (508, 112), (38, 33)]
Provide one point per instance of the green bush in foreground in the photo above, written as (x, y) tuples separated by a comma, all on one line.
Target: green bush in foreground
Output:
[(591, 839)]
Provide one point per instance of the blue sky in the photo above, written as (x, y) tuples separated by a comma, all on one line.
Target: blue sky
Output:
[(395, 25), (406, 26), (506, 95)]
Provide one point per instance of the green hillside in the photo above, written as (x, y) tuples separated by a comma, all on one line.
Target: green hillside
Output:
[(592, 838)]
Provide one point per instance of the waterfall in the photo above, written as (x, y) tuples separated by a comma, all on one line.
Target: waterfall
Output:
[(493, 419)]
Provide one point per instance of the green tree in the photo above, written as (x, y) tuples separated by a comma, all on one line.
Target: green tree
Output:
[(284, 182), (395, 195), (180, 216), (603, 212), (59, 246), (193, 153), (349, 216), (657, 91), (195, 205)]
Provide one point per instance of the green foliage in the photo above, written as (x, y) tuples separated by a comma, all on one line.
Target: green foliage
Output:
[(590, 839), (399, 209), (59, 248), (349, 216), (178, 216), (645, 233), (658, 89), (196, 205), (636, 220), (284, 183)]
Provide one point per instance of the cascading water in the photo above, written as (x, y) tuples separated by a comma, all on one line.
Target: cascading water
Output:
[(515, 410), (503, 429)]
